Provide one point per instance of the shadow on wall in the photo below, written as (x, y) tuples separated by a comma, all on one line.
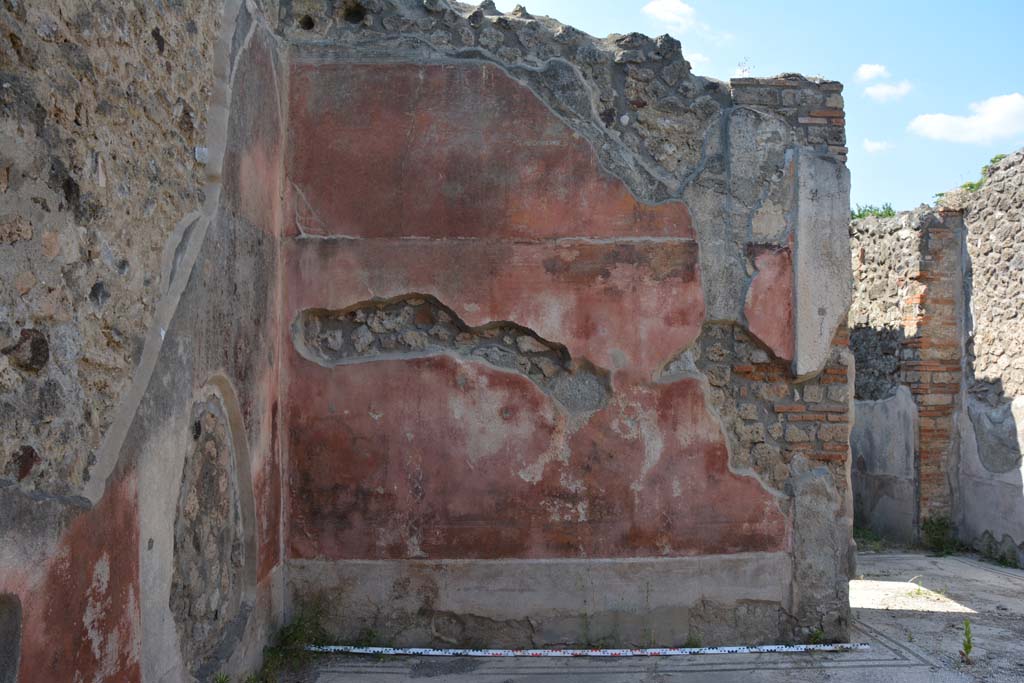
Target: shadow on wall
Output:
[(991, 484), (877, 355), (10, 637), (991, 510), (906, 387), (883, 441)]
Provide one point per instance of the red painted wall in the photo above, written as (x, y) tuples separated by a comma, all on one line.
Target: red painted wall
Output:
[(80, 611), (457, 182)]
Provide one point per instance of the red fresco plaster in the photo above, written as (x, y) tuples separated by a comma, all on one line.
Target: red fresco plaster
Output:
[(769, 304), (268, 504), (252, 165), (444, 458), (625, 306), (82, 621), (266, 487), (393, 150)]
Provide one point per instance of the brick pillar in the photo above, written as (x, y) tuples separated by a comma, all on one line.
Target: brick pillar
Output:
[(931, 357)]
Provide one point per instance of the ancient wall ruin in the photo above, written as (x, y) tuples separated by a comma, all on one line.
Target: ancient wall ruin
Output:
[(141, 234), (480, 326), (991, 509), (935, 316)]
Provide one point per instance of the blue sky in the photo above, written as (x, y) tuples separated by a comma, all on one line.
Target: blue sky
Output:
[(958, 65)]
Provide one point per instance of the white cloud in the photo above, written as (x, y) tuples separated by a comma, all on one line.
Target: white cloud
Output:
[(869, 72), (696, 59), (883, 92), (677, 14), (876, 146), (992, 119)]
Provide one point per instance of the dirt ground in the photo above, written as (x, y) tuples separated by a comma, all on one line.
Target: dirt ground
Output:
[(923, 601), (909, 606)]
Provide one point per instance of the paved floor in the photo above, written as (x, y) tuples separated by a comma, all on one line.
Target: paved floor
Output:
[(910, 607)]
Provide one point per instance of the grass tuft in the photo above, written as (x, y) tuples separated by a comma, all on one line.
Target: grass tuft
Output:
[(289, 653)]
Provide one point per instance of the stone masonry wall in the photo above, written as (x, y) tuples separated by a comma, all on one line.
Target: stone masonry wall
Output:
[(139, 144), (886, 254), (954, 277), (994, 216), (991, 512), (103, 114)]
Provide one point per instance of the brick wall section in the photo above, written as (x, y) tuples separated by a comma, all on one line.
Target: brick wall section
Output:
[(817, 112), (913, 263), (931, 357), (930, 354), (810, 419)]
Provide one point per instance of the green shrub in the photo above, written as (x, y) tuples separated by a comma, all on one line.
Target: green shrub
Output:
[(289, 649), (883, 211), (937, 535), (868, 540), (975, 185)]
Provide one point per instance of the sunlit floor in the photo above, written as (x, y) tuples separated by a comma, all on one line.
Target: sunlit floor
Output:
[(902, 595), (923, 602), (910, 607)]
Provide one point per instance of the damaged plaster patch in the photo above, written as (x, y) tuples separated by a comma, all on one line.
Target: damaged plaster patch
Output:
[(206, 588), (105, 646), (417, 326), (767, 419), (728, 150), (794, 439), (999, 433)]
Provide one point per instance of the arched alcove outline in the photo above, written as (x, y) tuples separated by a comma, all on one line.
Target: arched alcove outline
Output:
[(220, 390)]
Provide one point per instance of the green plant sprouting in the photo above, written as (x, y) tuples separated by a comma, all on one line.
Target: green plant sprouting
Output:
[(968, 643), (863, 211), (289, 649), (975, 185), (937, 536)]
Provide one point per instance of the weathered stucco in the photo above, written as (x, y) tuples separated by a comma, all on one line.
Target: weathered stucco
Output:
[(883, 445), (535, 204), (90, 556), (494, 325), (991, 484)]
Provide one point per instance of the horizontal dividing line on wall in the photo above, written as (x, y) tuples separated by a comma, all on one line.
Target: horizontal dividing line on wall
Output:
[(602, 652)]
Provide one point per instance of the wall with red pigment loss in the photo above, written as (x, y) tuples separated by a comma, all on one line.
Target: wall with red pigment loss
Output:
[(501, 351), (104, 564), (486, 332), (81, 605)]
